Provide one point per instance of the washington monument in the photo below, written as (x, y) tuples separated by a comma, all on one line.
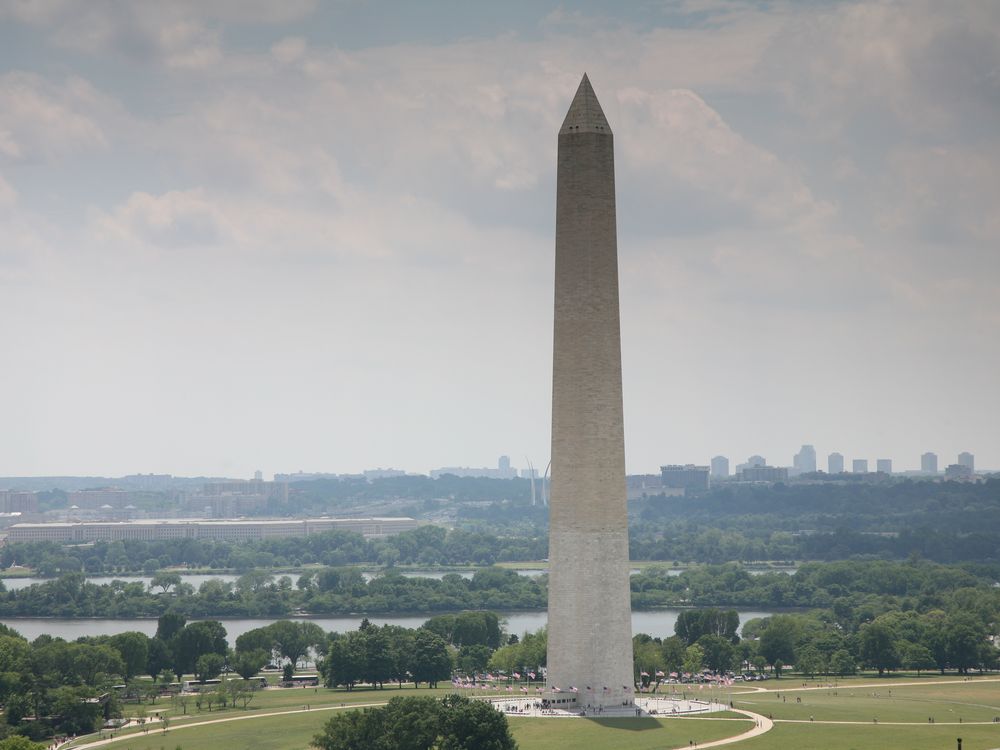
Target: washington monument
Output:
[(590, 628)]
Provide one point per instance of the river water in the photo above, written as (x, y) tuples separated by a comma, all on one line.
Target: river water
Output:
[(658, 623), (196, 579)]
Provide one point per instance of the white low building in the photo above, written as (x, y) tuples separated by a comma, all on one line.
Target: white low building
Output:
[(230, 530)]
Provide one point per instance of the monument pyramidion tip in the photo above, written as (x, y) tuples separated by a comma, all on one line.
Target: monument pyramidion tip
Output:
[(585, 114)]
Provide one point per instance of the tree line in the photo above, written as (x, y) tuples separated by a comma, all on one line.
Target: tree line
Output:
[(426, 545), (852, 588)]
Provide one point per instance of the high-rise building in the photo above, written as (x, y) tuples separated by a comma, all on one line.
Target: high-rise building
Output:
[(958, 472), (835, 463), (929, 463), (859, 466), (720, 467), (764, 474), (751, 463), (804, 461), (883, 465), (590, 625), (967, 460), (689, 477)]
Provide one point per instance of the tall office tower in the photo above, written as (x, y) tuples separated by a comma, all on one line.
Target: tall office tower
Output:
[(883, 465), (590, 625), (720, 467), (835, 463), (929, 463), (804, 461), (967, 460), (859, 466)]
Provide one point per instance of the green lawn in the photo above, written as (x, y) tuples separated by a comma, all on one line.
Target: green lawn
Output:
[(969, 701), (832, 737), (856, 701), (290, 732), (619, 734)]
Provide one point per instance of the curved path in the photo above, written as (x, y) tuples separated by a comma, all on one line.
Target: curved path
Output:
[(761, 725), (194, 724)]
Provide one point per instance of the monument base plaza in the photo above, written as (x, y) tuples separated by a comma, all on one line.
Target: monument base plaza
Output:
[(660, 707)]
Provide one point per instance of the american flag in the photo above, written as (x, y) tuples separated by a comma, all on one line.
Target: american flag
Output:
[(659, 673), (644, 674), (531, 675)]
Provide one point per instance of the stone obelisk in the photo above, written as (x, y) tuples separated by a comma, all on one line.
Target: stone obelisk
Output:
[(590, 628)]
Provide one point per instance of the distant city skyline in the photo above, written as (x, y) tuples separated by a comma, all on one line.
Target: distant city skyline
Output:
[(237, 236), (803, 461)]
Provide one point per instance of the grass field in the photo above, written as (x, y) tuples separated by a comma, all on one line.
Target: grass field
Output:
[(619, 734), (968, 701), (843, 719), (833, 737)]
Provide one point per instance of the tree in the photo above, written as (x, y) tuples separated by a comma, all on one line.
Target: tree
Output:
[(158, 657), (378, 657), (810, 661), (87, 662), (182, 700), (78, 708), (777, 641), (168, 625), (294, 639), (352, 730), (248, 663), (692, 624), (965, 639), (877, 647), (673, 653), (473, 725), (18, 742), (842, 663), (916, 656), (719, 652), (205, 637), (134, 649), (694, 659), (431, 662), (208, 666), (345, 661), (164, 581), (455, 723)]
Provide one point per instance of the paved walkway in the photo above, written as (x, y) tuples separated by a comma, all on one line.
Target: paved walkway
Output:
[(761, 725), (174, 727)]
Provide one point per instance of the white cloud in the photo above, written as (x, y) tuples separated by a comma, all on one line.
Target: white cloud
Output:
[(42, 120), (7, 194), (289, 50), (676, 135), (806, 210)]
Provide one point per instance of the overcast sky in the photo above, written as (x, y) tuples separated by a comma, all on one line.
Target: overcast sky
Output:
[(242, 235)]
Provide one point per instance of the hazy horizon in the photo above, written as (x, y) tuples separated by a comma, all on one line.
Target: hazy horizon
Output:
[(241, 236)]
